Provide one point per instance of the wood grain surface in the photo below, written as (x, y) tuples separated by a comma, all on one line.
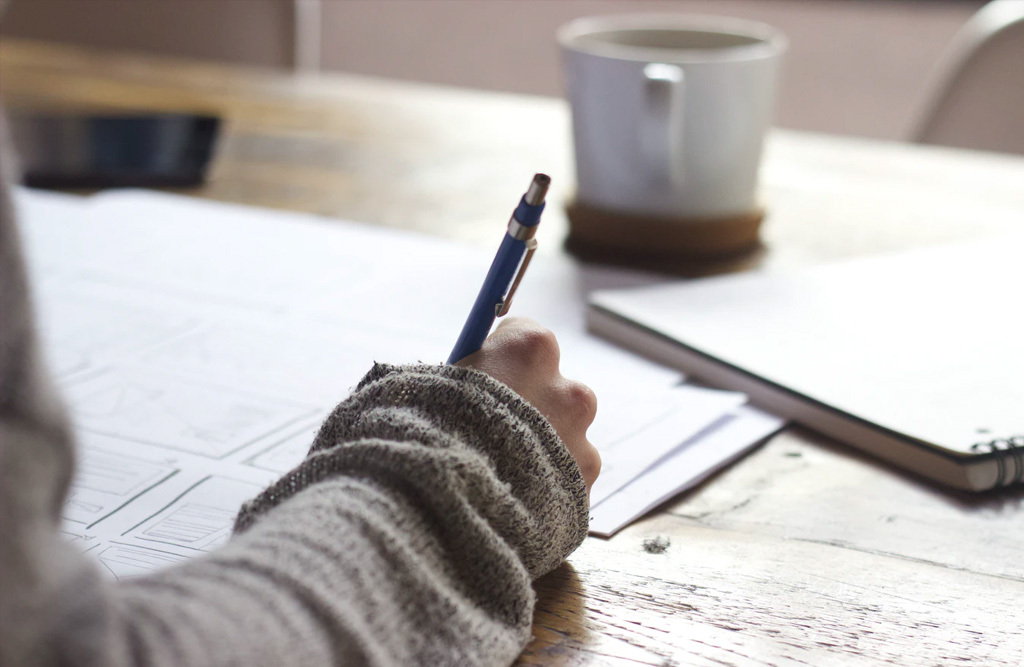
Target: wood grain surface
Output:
[(805, 552)]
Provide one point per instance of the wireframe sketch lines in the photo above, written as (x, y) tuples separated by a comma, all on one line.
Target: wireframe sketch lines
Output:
[(105, 481), (176, 414), (124, 561), (199, 519), (286, 453)]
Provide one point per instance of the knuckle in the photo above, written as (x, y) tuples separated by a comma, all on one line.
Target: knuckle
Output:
[(537, 345), (583, 400)]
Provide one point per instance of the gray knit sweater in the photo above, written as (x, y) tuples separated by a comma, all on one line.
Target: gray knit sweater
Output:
[(430, 500)]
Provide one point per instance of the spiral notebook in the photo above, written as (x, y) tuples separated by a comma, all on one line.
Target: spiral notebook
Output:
[(916, 358)]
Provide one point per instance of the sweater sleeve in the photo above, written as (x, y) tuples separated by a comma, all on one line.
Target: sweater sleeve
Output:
[(410, 535)]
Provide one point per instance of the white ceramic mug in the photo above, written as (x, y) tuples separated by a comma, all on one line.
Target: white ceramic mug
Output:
[(670, 111)]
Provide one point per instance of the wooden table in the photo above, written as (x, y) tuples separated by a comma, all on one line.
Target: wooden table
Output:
[(805, 552)]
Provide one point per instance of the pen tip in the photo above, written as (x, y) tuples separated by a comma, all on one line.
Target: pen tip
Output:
[(538, 189)]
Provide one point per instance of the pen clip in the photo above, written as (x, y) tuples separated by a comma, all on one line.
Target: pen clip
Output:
[(501, 308)]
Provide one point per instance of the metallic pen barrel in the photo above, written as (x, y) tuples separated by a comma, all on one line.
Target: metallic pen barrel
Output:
[(506, 270)]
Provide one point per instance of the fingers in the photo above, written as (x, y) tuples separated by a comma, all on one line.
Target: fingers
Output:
[(580, 403), (525, 356), (589, 460), (574, 407)]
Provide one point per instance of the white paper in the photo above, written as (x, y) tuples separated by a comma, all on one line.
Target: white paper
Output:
[(138, 507), (200, 345), (685, 467), (658, 423)]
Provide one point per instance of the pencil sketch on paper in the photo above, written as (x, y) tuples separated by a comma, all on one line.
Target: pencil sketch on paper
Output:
[(305, 367), (82, 332), (285, 454), (124, 561), (79, 539), (201, 518), (105, 481), (177, 414)]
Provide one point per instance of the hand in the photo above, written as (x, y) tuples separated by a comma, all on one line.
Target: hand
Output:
[(524, 355)]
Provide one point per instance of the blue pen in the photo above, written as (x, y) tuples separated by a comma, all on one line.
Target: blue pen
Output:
[(506, 271)]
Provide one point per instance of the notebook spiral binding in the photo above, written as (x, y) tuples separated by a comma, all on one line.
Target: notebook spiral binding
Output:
[(1007, 450)]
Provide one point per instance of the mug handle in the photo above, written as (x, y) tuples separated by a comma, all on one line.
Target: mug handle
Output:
[(661, 130)]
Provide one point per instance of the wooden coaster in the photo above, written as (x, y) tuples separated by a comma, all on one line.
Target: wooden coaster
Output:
[(676, 245)]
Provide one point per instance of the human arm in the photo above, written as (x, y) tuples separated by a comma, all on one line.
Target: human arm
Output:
[(433, 496), (406, 547), (277, 594)]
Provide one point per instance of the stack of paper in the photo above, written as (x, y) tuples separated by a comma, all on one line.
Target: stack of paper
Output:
[(199, 345)]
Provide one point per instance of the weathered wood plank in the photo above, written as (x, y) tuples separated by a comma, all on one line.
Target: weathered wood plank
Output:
[(726, 597), (802, 486)]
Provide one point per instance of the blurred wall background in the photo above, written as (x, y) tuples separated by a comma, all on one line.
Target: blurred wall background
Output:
[(858, 67)]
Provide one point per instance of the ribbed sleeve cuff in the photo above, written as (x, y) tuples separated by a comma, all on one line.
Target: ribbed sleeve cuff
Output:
[(466, 447)]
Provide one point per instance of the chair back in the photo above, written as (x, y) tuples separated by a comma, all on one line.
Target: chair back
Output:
[(976, 99)]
